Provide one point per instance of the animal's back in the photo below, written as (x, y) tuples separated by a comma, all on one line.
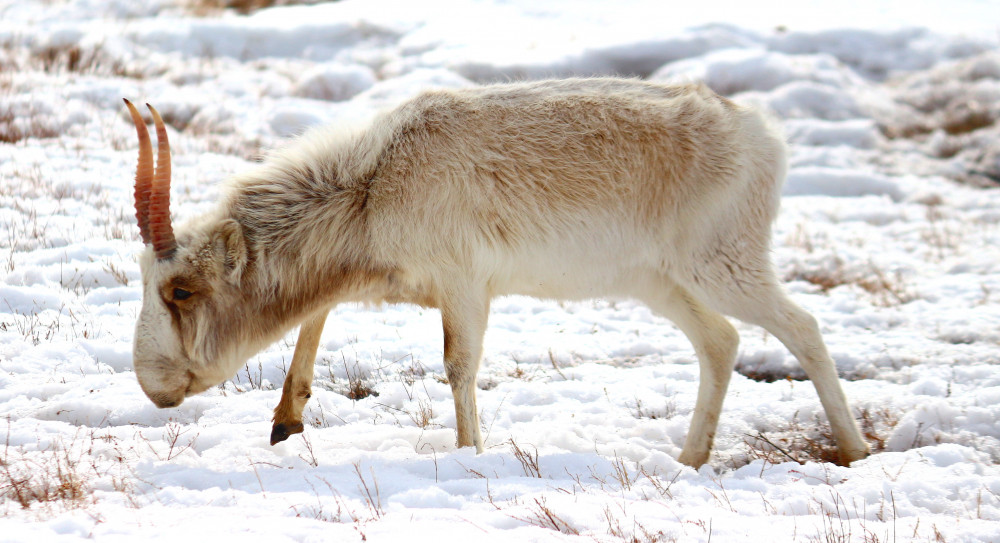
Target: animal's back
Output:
[(568, 171)]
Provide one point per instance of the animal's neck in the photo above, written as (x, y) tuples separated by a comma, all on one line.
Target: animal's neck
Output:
[(305, 266), (307, 224)]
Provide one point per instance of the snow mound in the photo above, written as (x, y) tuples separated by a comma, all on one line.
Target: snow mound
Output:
[(732, 71), (877, 54), (856, 133), (840, 183), (807, 99), (334, 82)]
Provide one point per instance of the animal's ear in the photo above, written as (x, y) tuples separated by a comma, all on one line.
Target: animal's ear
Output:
[(232, 245)]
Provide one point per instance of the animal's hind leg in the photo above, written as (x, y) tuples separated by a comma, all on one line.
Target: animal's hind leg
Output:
[(715, 342), (798, 330), (298, 382), (758, 299)]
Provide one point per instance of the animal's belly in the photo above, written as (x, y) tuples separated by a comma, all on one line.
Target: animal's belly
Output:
[(575, 277)]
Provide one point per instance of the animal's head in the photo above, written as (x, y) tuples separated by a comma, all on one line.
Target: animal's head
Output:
[(191, 332)]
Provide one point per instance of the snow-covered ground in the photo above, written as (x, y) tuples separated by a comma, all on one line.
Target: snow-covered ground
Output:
[(889, 234)]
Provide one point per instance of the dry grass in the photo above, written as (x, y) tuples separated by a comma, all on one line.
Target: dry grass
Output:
[(73, 59), (539, 514), (359, 384), (373, 500), (47, 480), (423, 417), (66, 59), (528, 461), (170, 445), (342, 510), (884, 289), (876, 425), (792, 446), (642, 411), (621, 524), (53, 476), (637, 534), (13, 129), (31, 326), (815, 443), (250, 380), (319, 510)]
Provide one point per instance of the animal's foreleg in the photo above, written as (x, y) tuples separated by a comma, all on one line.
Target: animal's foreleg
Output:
[(298, 381), (464, 320)]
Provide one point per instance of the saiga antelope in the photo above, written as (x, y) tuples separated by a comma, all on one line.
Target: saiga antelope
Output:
[(567, 189)]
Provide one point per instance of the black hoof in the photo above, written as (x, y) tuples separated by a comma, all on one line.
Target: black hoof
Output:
[(281, 432)]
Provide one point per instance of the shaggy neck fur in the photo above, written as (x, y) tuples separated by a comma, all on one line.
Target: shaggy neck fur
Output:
[(305, 220)]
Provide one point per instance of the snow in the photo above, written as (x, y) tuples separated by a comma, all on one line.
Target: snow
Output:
[(888, 234)]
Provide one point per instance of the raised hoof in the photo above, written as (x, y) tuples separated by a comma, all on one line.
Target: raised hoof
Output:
[(280, 432)]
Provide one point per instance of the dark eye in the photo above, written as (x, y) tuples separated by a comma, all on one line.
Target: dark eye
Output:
[(181, 294)]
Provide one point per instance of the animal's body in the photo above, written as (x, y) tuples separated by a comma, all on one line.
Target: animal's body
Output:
[(567, 189)]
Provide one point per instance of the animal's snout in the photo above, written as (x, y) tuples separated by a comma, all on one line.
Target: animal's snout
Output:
[(165, 401), (167, 396)]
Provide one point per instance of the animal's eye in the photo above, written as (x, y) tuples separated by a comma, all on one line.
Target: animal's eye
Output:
[(181, 294)]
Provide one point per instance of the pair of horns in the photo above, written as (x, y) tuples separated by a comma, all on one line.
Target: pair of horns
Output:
[(152, 188)]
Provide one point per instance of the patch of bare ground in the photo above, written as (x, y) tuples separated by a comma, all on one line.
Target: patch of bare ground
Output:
[(885, 289), (950, 113), (813, 442), (245, 7)]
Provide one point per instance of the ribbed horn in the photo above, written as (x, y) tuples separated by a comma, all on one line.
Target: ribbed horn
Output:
[(160, 230), (143, 173)]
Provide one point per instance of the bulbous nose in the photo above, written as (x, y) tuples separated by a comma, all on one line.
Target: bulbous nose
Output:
[(161, 381), (164, 401)]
